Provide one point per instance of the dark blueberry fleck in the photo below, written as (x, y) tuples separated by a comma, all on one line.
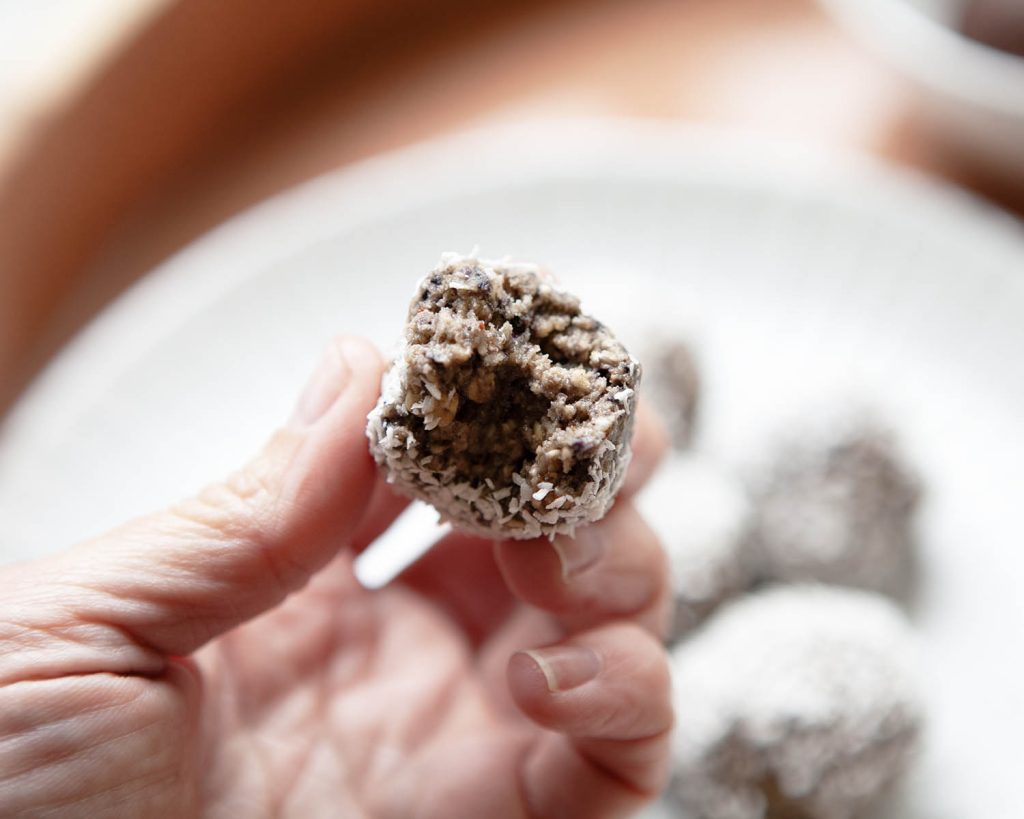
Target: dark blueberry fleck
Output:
[(583, 447)]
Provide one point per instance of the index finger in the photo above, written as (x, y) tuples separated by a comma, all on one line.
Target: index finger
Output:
[(650, 443)]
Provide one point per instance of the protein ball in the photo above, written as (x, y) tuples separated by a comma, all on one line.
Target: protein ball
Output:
[(798, 701), (837, 507), (506, 408), (701, 512), (674, 384)]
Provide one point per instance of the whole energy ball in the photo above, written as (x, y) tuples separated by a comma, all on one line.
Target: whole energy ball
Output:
[(506, 408), (837, 506), (701, 513), (797, 701)]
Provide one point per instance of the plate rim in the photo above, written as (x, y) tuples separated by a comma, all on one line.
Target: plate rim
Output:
[(542, 149)]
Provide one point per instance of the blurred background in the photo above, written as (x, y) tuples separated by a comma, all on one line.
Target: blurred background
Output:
[(130, 127)]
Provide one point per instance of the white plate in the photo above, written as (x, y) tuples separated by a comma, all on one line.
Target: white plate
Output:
[(800, 275)]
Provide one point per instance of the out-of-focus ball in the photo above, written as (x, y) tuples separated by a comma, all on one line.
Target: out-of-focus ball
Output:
[(797, 701), (673, 382), (701, 512), (837, 505)]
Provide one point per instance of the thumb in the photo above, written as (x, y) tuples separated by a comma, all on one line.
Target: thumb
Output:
[(171, 581)]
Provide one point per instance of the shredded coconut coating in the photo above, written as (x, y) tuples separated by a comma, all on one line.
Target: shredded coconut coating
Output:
[(838, 507), (798, 701), (701, 513), (506, 408)]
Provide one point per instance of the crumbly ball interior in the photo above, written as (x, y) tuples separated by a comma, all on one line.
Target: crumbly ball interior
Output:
[(511, 397)]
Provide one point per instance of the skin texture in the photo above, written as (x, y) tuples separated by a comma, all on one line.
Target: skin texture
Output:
[(219, 659)]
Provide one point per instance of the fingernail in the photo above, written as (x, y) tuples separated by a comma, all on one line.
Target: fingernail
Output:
[(327, 383), (566, 667), (580, 552)]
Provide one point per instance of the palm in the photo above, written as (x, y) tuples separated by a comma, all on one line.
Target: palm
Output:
[(349, 702)]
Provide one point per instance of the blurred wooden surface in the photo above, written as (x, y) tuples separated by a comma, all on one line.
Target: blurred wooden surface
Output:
[(214, 106)]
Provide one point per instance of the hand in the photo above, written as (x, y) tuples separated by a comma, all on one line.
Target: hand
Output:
[(219, 659)]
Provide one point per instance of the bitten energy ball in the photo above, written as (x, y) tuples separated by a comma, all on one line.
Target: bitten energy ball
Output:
[(798, 701), (506, 408), (701, 513), (837, 506)]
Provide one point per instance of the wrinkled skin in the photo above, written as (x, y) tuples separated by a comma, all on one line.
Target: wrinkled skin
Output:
[(220, 660)]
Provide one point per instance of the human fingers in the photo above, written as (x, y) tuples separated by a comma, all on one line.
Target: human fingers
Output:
[(649, 445), (459, 575), (612, 569), (384, 506), (604, 698), (459, 572), (167, 583)]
